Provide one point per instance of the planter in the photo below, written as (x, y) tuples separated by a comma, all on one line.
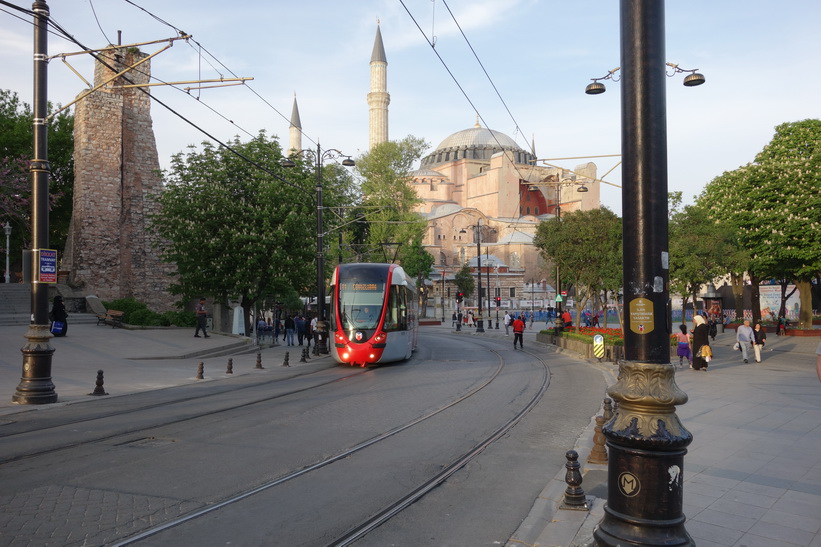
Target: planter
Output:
[(611, 353)]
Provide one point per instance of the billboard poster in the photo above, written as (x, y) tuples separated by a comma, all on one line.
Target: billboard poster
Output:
[(770, 298)]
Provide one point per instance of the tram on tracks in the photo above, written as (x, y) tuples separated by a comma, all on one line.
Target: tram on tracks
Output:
[(373, 314)]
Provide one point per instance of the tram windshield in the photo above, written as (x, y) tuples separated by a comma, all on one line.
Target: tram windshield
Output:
[(361, 296)]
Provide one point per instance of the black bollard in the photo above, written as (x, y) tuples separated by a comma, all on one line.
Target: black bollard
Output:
[(230, 368), (98, 390), (303, 357), (259, 361), (285, 363), (200, 371), (574, 497)]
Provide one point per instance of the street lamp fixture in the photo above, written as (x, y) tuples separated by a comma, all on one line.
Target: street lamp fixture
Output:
[(478, 233), (7, 228), (692, 79), (318, 157)]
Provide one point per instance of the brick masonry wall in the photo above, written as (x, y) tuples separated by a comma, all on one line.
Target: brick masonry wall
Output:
[(111, 252)]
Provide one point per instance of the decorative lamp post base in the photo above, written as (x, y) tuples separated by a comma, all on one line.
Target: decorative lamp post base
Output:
[(646, 445), (36, 387)]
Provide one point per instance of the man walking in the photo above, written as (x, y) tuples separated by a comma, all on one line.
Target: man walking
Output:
[(202, 316), (744, 337), (508, 320), (518, 332)]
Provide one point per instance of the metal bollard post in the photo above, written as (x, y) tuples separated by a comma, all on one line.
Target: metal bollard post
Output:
[(302, 358), (230, 368), (285, 363), (608, 409), (259, 361), (574, 497), (201, 371), (98, 390), (598, 454)]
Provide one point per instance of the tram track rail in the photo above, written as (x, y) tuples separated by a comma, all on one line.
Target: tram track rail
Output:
[(375, 520)]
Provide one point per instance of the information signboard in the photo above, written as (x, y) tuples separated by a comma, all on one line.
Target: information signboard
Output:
[(46, 265)]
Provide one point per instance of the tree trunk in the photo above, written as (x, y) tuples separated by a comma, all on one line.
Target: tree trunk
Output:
[(684, 299), (755, 298), (737, 281), (805, 297)]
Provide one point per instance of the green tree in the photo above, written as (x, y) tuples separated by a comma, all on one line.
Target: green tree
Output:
[(388, 199), (234, 229), (700, 250), (16, 149), (774, 208), (417, 262), (464, 280), (582, 244)]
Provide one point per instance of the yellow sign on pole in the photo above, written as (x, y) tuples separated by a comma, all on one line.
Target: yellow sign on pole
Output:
[(641, 315), (598, 346)]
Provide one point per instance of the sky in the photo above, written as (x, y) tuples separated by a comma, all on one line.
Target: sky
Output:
[(760, 60)]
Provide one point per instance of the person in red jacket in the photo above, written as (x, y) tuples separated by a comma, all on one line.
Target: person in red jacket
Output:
[(518, 331)]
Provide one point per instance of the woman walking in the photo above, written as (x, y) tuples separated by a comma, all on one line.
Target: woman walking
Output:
[(759, 339), (700, 339)]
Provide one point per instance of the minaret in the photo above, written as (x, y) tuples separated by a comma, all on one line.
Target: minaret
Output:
[(295, 131), (378, 98)]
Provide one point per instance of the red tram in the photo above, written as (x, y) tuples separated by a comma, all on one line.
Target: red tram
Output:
[(373, 314)]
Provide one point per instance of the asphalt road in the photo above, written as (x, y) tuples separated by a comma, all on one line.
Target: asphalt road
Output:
[(147, 460)]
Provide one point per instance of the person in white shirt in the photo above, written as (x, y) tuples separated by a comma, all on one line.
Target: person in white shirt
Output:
[(508, 319)]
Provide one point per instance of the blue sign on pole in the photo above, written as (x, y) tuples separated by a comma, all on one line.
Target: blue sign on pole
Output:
[(47, 266)]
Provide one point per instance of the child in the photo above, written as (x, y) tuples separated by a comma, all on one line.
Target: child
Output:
[(683, 349)]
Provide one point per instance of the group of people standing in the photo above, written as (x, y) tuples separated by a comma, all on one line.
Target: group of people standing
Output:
[(695, 345)]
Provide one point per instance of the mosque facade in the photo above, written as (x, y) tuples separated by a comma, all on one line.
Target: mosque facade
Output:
[(479, 183)]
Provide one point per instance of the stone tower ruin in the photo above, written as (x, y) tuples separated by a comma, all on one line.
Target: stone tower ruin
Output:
[(110, 251)]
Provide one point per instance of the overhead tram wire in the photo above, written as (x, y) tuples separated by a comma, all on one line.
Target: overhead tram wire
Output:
[(102, 61)]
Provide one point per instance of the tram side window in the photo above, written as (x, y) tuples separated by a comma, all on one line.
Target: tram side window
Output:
[(396, 318)]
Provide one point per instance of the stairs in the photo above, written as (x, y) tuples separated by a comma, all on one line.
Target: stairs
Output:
[(15, 306)]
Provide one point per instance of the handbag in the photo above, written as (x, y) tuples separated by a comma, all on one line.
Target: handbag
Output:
[(705, 351), (58, 327), (737, 346)]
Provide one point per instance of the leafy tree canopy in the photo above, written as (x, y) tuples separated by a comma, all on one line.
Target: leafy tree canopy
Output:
[(16, 148), (586, 246), (236, 230)]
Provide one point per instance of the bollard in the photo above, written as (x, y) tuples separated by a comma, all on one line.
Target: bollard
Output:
[(200, 371), (98, 390), (574, 497), (303, 357), (285, 363), (608, 409), (230, 368), (598, 454), (259, 361)]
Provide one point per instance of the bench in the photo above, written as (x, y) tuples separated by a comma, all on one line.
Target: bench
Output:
[(111, 317)]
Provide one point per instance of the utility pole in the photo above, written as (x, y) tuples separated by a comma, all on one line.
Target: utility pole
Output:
[(35, 385)]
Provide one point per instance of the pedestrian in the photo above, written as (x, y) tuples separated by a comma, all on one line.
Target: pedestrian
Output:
[(759, 339), (683, 348), (596, 320), (314, 333), (518, 331), (711, 327), (290, 327), (59, 317), (309, 332), (508, 320), (202, 317), (299, 322), (744, 337), (567, 319), (261, 328), (781, 326), (818, 361), (277, 330), (453, 319), (700, 339)]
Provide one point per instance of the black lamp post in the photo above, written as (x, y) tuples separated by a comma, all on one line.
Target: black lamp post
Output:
[(319, 156), (35, 385), (443, 296), (7, 228), (646, 440), (478, 232)]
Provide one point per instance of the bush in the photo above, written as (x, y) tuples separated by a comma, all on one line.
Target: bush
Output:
[(128, 306), (147, 318), (181, 318)]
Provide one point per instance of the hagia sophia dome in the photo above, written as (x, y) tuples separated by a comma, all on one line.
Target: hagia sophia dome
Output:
[(477, 143)]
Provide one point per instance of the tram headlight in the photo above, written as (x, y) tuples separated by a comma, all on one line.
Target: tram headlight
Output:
[(380, 338), (345, 356)]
